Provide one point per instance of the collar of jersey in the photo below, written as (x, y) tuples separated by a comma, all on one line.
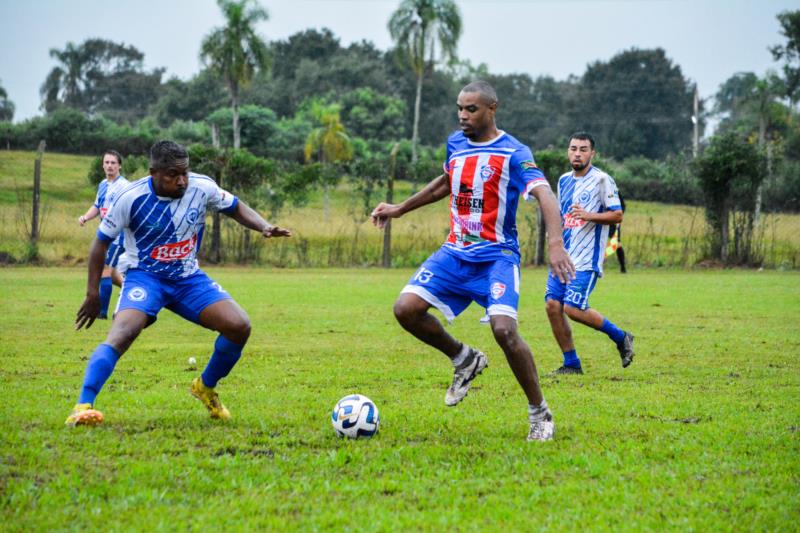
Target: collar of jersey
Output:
[(487, 143)]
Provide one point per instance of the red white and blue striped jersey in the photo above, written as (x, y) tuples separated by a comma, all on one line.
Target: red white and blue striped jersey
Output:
[(162, 235), (107, 191), (486, 182), (584, 241)]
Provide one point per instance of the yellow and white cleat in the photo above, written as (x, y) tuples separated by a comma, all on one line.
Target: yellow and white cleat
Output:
[(83, 415), (210, 399)]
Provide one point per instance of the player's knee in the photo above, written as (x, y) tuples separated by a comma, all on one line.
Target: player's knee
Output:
[(505, 334), (404, 313), (239, 329), (553, 307)]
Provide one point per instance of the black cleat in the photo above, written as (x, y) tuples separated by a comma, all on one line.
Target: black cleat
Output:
[(626, 350), (563, 369)]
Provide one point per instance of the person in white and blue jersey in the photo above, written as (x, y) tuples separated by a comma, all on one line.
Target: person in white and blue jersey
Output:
[(590, 203), (106, 192), (163, 217)]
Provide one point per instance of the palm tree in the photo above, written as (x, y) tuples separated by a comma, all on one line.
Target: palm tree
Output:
[(416, 27), (66, 82), (6, 106), (328, 143), (235, 52)]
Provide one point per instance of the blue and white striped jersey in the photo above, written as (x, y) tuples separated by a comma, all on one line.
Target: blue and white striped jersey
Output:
[(162, 235), (586, 241), (107, 191)]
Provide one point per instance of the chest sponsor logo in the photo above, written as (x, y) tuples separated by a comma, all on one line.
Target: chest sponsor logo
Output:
[(472, 226), (498, 290), (572, 222), (174, 251)]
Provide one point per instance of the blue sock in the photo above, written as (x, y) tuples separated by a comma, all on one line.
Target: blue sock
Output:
[(571, 359), (225, 355), (99, 368), (614, 333), (105, 295)]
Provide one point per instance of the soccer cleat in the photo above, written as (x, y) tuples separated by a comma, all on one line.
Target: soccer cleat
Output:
[(564, 369), (83, 415), (210, 399), (626, 350), (542, 430), (463, 376)]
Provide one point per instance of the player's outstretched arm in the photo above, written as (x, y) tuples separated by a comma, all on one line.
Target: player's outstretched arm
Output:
[(90, 308), (89, 215), (434, 191), (249, 218), (560, 263)]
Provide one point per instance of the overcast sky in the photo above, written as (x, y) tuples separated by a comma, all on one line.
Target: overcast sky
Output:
[(709, 39)]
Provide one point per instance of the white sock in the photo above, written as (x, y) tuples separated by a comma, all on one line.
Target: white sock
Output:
[(537, 413), (459, 359)]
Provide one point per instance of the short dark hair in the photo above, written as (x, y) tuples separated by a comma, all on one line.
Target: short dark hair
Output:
[(583, 136), (165, 154), (484, 88), (115, 154)]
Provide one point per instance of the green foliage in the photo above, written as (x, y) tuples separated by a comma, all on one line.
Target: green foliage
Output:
[(730, 171), (328, 142), (258, 127), (101, 76), (371, 115), (637, 103), (790, 52), (191, 100), (553, 163), (6, 106)]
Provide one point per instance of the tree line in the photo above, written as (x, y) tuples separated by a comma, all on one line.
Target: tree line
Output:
[(291, 101)]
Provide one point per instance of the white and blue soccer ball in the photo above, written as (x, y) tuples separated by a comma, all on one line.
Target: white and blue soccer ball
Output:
[(355, 416)]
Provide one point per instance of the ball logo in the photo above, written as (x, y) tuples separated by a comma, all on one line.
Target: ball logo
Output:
[(137, 294), (174, 251), (498, 290), (191, 215)]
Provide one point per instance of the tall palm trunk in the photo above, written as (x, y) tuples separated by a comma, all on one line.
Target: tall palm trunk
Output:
[(417, 103), (237, 139)]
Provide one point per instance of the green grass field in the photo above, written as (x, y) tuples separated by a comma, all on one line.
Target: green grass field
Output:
[(654, 234), (701, 433)]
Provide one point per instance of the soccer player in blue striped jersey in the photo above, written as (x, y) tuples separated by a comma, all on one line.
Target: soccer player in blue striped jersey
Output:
[(106, 192), (590, 203), (163, 217)]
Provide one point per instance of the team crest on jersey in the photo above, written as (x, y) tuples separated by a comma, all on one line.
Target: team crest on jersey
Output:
[(498, 290), (584, 197), (487, 172), (137, 294), (191, 215)]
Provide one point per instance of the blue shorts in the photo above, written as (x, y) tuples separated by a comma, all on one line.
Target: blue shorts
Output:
[(575, 293), (186, 297), (450, 284), (115, 250)]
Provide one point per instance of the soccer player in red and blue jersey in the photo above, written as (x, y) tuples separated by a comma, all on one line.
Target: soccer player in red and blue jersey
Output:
[(486, 173), (163, 216), (106, 192), (590, 203)]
